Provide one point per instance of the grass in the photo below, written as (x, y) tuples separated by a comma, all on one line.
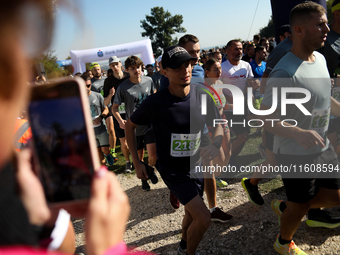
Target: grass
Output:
[(272, 185), (228, 194), (119, 166)]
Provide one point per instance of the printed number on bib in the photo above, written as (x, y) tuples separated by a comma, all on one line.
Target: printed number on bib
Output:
[(185, 145), (336, 93), (320, 120), (121, 108)]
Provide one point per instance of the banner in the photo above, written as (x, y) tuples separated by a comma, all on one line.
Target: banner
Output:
[(80, 57)]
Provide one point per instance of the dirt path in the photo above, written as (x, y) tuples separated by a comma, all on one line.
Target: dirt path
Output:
[(155, 226)]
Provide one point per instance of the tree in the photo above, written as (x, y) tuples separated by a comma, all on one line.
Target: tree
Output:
[(329, 10), (269, 30), (49, 61), (159, 27)]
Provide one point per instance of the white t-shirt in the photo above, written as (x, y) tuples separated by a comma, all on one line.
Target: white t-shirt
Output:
[(236, 75)]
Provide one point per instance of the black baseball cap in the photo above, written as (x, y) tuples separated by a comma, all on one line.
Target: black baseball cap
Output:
[(174, 56)]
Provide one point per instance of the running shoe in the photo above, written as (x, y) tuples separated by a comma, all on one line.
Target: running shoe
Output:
[(253, 193), (220, 183), (288, 249), (145, 185), (174, 201), (219, 215), (262, 151), (181, 251), (322, 218), (109, 159), (276, 209), (128, 168), (114, 155)]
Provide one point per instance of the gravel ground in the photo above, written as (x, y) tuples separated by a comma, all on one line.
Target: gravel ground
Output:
[(155, 226)]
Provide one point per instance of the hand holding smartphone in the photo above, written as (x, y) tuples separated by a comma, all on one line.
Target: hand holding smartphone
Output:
[(64, 142)]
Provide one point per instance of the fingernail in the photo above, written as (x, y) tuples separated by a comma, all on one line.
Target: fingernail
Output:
[(102, 172)]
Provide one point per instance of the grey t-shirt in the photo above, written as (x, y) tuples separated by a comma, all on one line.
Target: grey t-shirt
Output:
[(98, 85), (133, 95), (279, 51), (292, 71), (96, 103), (331, 51)]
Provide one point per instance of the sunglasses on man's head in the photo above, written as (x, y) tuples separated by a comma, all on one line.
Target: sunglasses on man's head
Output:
[(88, 85)]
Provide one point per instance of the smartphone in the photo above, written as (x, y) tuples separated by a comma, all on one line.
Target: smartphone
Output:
[(65, 152)]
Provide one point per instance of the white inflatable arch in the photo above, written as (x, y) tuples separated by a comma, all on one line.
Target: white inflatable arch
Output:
[(80, 57)]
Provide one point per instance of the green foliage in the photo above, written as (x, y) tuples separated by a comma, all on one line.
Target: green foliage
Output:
[(269, 30), (329, 10), (159, 27), (51, 67)]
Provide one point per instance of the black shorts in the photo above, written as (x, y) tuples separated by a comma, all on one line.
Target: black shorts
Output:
[(110, 114), (120, 133), (184, 187), (302, 190), (269, 140), (333, 125), (145, 139), (237, 128)]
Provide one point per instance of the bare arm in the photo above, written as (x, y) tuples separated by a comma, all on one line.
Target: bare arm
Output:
[(335, 107), (210, 152), (116, 114), (107, 99), (99, 119), (306, 138), (132, 143)]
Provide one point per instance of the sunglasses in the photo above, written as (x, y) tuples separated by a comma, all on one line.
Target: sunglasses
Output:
[(88, 85)]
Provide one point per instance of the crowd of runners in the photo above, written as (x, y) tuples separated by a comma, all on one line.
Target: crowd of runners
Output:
[(193, 110)]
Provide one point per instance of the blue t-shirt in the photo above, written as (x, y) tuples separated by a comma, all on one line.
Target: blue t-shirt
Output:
[(177, 125), (258, 70)]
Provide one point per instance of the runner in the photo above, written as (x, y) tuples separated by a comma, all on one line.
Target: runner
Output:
[(98, 86), (212, 74), (132, 92), (98, 112), (110, 86), (168, 112), (306, 143)]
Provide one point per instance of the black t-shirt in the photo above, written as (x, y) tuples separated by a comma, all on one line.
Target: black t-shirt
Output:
[(247, 58), (177, 124), (113, 82)]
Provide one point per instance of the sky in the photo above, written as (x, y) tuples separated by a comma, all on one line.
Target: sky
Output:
[(94, 24)]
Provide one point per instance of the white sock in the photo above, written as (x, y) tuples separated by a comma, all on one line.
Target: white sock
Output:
[(212, 209)]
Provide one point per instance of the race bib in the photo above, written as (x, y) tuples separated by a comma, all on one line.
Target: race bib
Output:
[(93, 118), (121, 108), (336, 93), (320, 120), (185, 145)]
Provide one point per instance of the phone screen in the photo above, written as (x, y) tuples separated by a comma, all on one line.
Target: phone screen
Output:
[(61, 143)]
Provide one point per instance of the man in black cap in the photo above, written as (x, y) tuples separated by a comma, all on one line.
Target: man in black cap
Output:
[(178, 124)]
